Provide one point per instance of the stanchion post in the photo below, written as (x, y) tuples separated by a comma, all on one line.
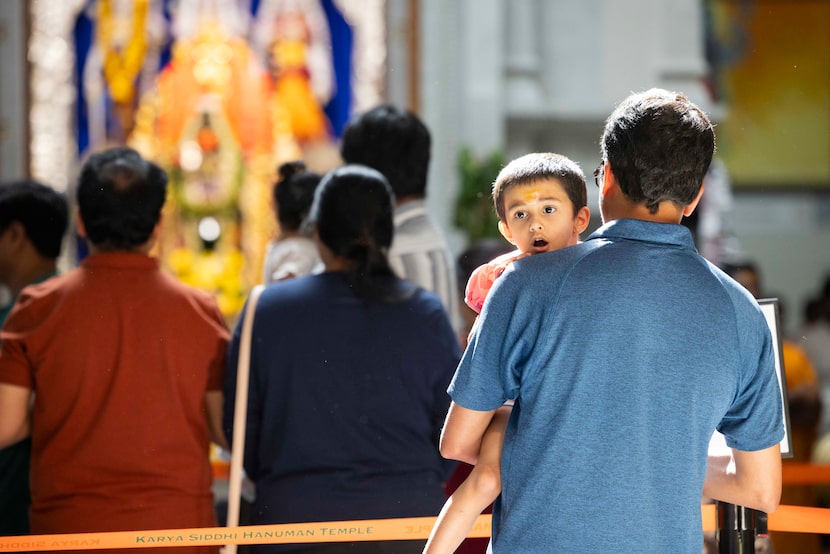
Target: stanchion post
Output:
[(736, 528)]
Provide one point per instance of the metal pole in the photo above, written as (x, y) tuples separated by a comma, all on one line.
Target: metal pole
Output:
[(736, 529)]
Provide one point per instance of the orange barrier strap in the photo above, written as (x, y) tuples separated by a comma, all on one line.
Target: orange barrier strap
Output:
[(221, 470), (709, 514), (805, 474), (800, 519), (797, 519), (793, 519), (295, 533)]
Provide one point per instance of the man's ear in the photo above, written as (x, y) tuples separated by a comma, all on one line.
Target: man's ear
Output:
[(16, 232), (608, 179), (505, 232), (79, 223), (687, 211), (583, 217), (157, 230)]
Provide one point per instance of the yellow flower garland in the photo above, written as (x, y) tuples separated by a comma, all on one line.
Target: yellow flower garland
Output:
[(121, 66)]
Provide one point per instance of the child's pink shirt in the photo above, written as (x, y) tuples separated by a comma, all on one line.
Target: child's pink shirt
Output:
[(482, 279)]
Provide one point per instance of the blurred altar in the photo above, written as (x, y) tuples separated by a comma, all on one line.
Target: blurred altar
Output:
[(219, 93)]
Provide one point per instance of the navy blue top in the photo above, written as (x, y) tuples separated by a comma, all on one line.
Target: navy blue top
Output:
[(624, 354), (346, 402)]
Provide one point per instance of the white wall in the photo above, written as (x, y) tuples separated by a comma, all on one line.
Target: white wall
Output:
[(788, 236), (12, 90)]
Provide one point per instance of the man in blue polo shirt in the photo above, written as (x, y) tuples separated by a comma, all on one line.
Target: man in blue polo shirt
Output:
[(624, 354)]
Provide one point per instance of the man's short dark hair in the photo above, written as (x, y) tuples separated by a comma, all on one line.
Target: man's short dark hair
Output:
[(393, 141), (659, 145), (42, 211), (120, 196)]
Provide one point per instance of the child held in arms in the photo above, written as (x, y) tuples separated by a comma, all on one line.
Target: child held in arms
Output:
[(541, 202), (293, 253)]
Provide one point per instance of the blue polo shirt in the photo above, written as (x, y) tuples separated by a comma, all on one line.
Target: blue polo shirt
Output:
[(624, 354)]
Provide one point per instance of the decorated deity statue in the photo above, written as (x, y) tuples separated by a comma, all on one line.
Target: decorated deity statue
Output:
[(220, 153)]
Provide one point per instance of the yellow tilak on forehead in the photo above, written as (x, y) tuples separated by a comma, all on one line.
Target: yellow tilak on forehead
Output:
[(529, 193)]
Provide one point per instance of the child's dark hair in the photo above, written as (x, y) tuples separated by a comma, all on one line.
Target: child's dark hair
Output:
[(294, 193), (535, 167), (352, 212)]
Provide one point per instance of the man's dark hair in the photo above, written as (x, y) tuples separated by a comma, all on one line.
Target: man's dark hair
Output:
[(42, 211), (120, 196), (393, 141), (659, 145), (539, 166), (294, 193)]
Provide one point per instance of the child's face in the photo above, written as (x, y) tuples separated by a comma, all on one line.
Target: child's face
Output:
[(539, 217)]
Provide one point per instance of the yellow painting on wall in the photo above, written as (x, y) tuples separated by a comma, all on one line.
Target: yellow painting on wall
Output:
[(771, 70)]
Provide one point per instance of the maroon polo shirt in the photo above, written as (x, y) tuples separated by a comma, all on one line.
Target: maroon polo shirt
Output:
[(119, 356)]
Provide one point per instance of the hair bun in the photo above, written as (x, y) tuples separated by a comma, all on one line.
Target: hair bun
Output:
[(288, 169)]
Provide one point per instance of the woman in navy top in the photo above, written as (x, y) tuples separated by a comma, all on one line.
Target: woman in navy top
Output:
[(349, 372)]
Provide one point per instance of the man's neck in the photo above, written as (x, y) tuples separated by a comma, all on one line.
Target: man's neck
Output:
[(621, 207), (667, 212), (30, 273), (401, 202)]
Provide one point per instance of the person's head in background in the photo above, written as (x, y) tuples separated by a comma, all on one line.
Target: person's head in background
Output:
[(746, 273), (541, 202), (396, 143), (814, 311), (825, 298), (33, 221), (293, 195), (352, 218), (120, 197), (656, 148)]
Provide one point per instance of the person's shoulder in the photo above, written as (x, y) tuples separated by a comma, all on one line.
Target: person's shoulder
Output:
[(422, 302), (561, 260), (40, 300), (302, 290), (737, 294), (48, 290), (412, 218), (292, 245), (174, 291)]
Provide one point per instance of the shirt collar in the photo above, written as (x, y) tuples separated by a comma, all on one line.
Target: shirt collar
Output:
[(409, 210), (668, 234), (121, 260)]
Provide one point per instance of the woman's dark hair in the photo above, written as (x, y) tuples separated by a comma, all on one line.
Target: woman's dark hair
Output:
[(294, 193), (352, 212)]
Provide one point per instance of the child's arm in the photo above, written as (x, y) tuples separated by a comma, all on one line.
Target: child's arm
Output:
[(478, 491)]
